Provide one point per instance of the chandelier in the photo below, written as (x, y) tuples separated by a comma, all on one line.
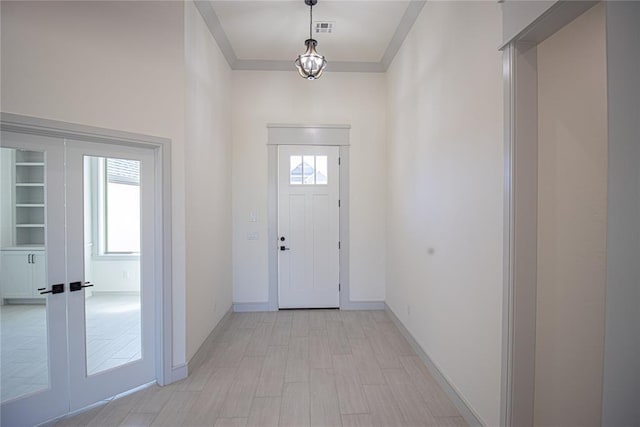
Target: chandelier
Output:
[(310, 64)]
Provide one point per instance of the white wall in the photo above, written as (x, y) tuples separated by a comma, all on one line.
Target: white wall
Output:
[(621, 382), (117, 65), (208, 180), (337, 98), (445, 195), (572, 222)]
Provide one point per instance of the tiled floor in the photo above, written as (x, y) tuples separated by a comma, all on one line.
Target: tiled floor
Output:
[(113, 338), (293, 368)]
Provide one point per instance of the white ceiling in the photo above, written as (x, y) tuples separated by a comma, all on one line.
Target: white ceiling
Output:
[(268, 35)]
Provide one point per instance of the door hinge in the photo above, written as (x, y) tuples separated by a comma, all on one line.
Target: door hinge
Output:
[(338, 202), (338, 161), (338, 287), (338, 245)]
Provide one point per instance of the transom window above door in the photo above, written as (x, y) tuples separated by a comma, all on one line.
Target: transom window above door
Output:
[(308, 170)]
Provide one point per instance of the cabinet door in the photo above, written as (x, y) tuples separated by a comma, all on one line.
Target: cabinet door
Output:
[(38, 266), (16, 275)]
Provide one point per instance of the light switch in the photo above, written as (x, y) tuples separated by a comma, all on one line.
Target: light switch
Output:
[(252, 235), (253, 216)]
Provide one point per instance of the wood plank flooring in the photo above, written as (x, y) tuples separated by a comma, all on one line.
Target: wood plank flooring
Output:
[(293, 368)]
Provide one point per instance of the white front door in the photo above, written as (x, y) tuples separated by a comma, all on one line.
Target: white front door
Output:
[(80, 216), (308, 226)]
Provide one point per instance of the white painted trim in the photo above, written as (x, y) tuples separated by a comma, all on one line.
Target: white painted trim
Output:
[(345, 242), (287, 125), (363, 305), (179, 372), (200, 356), (521, 195), (507, 353), (550, 21), (452, 393), (162, 148), (334, 66), (244, 307), (281, 134), (406, 23), (307, 134), (521, 198), (414, 7), (272, 225), (215, 28)]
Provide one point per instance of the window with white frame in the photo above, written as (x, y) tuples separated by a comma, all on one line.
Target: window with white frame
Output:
[(119, 206)]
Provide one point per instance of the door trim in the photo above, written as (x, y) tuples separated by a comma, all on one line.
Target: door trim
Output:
[(520, 210), (162, 151), (296, 134)]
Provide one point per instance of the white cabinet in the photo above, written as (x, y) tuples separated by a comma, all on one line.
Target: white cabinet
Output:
[(23, 272)]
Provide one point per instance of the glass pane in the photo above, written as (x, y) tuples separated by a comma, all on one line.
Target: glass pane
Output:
[(24, 367), (295, 170), (122, 202), (112, 265), (308, 170), (321, 170)]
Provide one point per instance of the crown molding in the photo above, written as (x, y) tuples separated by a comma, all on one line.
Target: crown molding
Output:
[(215, 28)]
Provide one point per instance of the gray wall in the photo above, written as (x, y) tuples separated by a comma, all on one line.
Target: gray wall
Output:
[(621, 390)]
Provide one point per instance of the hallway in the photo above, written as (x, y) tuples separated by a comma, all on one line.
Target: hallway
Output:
[(293, 368)]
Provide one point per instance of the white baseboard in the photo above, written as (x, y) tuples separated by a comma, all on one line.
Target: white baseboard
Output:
[(243, 307), (207, 344), (364, 305), (178, 373), (469, 414)]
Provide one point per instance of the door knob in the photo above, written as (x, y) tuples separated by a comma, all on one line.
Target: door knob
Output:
[(282, 239), (76, 286), (55, 289)]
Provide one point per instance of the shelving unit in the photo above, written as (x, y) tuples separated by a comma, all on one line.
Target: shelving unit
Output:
[(29, 198)]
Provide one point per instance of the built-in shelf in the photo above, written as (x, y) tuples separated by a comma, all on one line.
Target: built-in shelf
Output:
[(29, 198)]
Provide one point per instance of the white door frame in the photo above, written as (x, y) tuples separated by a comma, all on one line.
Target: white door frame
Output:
[(520, 210), (295, 134), (162, 152)]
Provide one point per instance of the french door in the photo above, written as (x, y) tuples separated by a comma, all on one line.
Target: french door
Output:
[(77, 288), (308, 227)]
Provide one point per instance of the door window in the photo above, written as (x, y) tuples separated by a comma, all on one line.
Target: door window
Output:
[(308, 170)]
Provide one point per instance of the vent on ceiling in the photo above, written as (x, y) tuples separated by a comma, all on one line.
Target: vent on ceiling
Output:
[(326, 27)]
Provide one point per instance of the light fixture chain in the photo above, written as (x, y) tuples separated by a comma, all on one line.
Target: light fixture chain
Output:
[(310, 20)]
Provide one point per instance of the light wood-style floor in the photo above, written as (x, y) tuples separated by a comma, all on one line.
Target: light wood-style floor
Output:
[(293, 368)]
